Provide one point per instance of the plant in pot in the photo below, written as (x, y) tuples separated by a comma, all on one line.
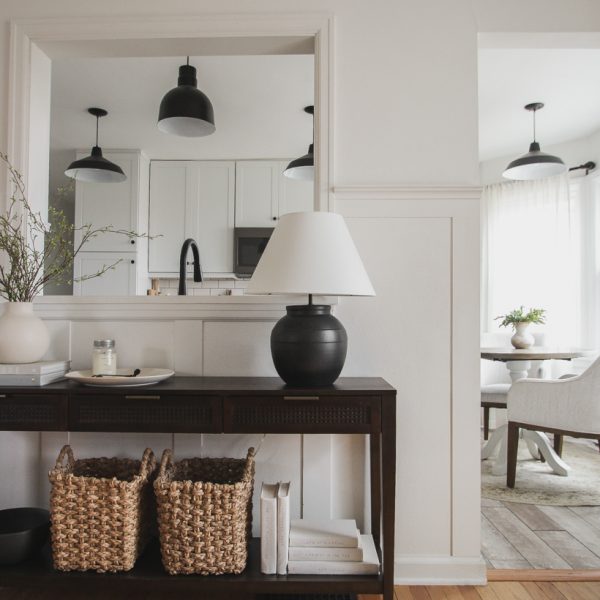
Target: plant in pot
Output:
[(34, 252), (520, 321)]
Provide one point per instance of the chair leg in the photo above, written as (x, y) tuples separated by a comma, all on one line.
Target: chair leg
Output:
[(486, 422), (511, 454), (558, 443)]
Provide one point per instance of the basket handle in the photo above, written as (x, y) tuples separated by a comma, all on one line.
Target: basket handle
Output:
[(148, 463), (165, 461), (249, 461), (68, 452)]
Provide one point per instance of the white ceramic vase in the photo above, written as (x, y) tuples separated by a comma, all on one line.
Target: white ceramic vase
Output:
[(24, 337), (522, 338)]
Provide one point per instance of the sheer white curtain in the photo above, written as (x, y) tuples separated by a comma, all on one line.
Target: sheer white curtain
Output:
[(533, 241)]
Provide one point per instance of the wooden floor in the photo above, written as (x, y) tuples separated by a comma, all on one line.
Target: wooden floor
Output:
[(501, 590), (526, 536)]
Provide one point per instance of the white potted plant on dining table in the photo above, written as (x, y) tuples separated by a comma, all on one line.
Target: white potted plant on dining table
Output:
[(34, 252), (520, 320)]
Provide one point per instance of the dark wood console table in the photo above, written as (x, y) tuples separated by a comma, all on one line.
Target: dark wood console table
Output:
[(217, 405)]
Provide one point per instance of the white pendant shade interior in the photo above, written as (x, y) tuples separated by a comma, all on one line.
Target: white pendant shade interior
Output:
[(303, 168), (535, 164), (311, 253), (95, 168)]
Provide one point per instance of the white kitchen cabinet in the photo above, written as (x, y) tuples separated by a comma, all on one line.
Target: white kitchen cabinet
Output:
[(256, 193), (263, 193), (109, 204), (191, 199), (123, 206), (117, 281)]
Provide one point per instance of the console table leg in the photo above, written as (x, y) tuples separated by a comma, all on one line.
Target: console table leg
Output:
[(388, 468), (375, 466)]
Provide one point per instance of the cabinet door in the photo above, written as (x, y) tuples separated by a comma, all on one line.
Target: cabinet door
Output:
[(117, 281), (115, 204), (256, 193), (211, 203), (294, 195), (169, 188)]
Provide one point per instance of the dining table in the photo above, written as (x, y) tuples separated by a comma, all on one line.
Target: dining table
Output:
[(518, 362)]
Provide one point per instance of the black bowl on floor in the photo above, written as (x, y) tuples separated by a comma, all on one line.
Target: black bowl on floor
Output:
[(23, 531)]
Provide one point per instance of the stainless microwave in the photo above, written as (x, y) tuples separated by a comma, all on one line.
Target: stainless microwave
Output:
[(249, 244)]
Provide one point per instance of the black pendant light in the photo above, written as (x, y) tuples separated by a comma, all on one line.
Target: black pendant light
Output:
[(95, 168), (303, 168), (535, 164), (185, 110)]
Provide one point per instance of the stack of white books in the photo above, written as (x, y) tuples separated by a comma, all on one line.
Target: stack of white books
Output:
[(330, 547), (33, 374), (274, 527)]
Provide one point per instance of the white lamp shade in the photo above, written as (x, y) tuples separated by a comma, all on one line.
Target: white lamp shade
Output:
[(311, 253)]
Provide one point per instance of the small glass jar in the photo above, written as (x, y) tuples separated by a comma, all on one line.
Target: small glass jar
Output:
[(104, 358)]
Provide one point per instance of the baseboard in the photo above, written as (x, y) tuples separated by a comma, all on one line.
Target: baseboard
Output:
[(442, 570), (543, 575)]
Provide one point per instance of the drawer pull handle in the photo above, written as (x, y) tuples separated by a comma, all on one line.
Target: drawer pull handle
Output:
[(2, 395), (142, 397), (301, 397)]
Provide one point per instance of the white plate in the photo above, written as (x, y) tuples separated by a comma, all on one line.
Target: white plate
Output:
[(146, 377)]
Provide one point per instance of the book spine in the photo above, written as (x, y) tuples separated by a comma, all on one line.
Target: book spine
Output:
[(326, 554), (308, 541), (304, 567), (268, 535), (30, 380), (283, 532)]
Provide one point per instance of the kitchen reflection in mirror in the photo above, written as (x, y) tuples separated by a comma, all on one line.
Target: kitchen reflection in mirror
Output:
[(219, 189)]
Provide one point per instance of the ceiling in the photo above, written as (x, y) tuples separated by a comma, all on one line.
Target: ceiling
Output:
[(258, 103), (565, 80)]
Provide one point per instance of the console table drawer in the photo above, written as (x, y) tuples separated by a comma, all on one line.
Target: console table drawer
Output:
[(145, 412), (302, 413), (33, 412)]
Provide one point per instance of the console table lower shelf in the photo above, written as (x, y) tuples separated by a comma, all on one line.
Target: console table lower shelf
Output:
[(148, 576)]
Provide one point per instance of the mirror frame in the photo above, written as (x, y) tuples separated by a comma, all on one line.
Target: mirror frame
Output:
[(28, 59)]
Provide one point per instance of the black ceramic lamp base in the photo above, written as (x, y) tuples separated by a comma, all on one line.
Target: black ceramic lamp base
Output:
[(309, 346)]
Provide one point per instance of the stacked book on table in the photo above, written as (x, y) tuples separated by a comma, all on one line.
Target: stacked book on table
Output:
[(310, 547), (330, 547), (33, 374), (274, 527)]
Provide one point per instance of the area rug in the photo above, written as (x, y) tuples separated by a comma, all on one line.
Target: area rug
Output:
[(536, 483)]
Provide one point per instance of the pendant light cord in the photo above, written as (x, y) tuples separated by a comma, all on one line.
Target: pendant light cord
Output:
[(97, 121), (188, 61), (534, 111)]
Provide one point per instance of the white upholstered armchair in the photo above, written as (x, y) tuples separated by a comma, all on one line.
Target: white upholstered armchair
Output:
[(560, 406)]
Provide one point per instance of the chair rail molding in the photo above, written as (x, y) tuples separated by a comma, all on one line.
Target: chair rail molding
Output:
[(27, 35)]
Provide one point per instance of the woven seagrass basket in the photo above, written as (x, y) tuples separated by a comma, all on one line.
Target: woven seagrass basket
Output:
[(205, 513), (102, 511)]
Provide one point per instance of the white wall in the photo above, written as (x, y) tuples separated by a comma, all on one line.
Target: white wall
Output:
[(405, 112)]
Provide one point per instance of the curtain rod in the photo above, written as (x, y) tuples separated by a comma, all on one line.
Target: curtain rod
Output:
[(588, 166)]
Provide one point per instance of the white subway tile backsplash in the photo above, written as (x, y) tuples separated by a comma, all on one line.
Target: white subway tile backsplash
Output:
[(200, 292), (210, 283), (241, 283), (218, 292)]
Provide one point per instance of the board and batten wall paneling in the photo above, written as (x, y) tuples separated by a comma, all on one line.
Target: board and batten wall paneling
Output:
[(397, 334), (420, 247)]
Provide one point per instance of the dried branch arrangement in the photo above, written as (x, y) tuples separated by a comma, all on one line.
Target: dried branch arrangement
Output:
[(36, 251)]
